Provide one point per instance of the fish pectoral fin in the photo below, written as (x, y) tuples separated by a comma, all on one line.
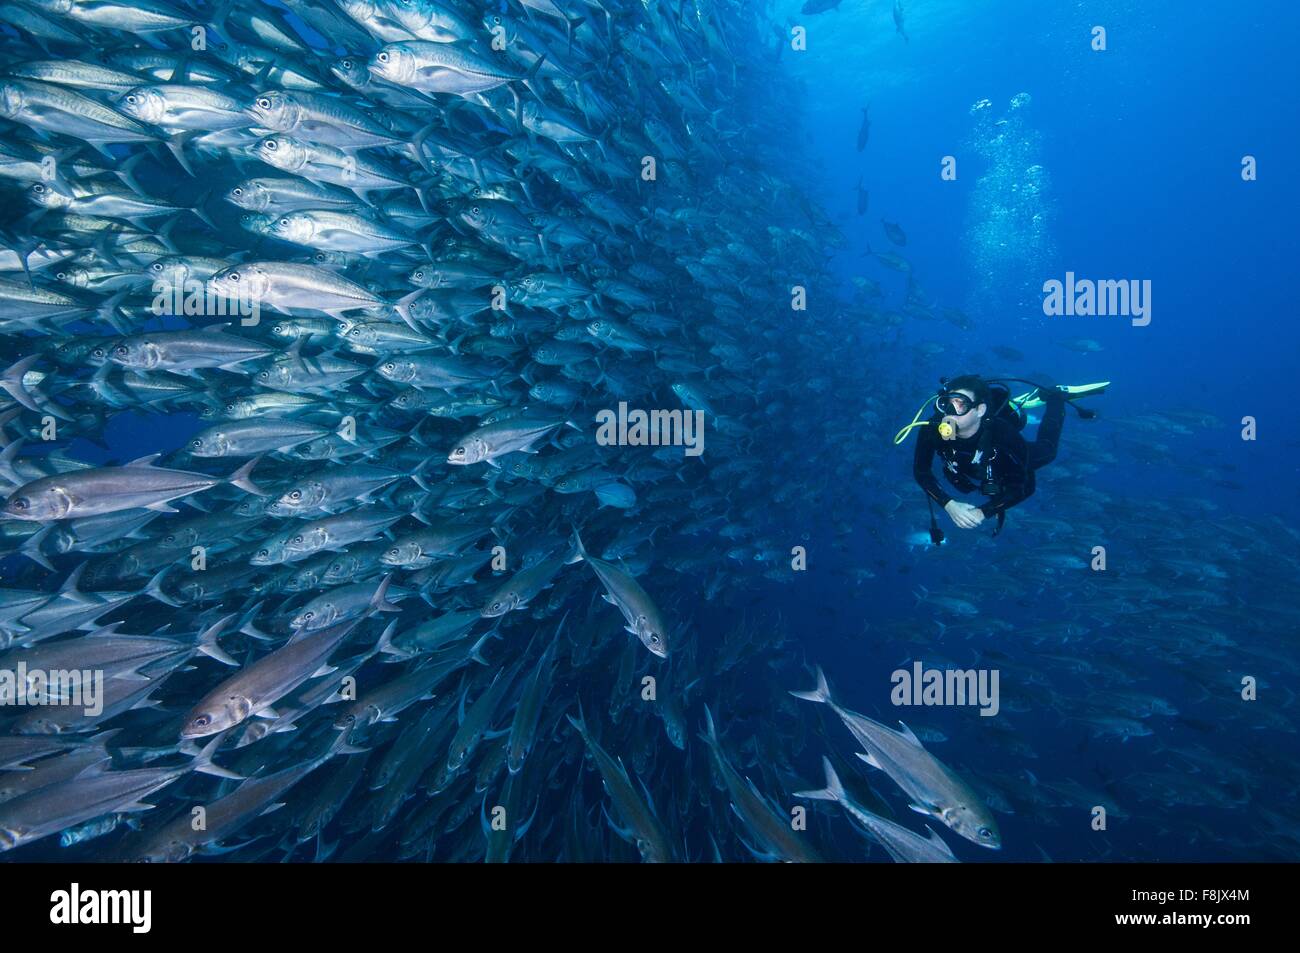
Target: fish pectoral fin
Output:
[(608, 598), (625, 833), (268, 713), (921, 809), (869, 759), (764, 857), (938, 841), (162, 508)]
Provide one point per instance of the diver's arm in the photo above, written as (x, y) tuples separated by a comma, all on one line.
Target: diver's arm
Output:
[(922, 466), (1012, 473)]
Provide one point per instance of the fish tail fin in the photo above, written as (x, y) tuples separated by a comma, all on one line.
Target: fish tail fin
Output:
[(31, 548), (247, 627), (834, 790), (579, 723), (579, 551), (476, 650), (710, 734), (822, 693), (379, 601), (385, 644), (11, 381), (203, 761), (7, 460), (242, 478), (207, 643), (403, 308), (155, 590)]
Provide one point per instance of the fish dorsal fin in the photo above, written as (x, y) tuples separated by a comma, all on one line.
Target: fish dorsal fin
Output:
[(144, 461), (69, 588), (907, 733)]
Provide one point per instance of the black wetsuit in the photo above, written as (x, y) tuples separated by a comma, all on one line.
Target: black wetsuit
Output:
[(1013, 460)]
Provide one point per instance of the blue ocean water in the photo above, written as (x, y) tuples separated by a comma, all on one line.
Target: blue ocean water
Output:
[(1140, 149), (1114, 164)]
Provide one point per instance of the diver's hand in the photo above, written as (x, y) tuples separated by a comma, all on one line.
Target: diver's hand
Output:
[(964, 515)]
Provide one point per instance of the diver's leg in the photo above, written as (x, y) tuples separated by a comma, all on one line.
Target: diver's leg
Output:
[(1043, 450)]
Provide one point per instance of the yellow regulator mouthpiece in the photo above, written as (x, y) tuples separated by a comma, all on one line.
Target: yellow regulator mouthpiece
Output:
[(946, 430)]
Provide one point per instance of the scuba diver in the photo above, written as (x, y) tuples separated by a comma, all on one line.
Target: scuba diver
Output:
[(975, 431)]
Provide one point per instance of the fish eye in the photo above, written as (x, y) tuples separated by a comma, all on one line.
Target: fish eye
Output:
[(309, 615), (284, 223), (459, 451), (202, 721), (382, 57), (347, 64), (21, 503), (298, 538), (234, 276), (236, 191), (197, 444), (264, 102), (985, 833), (654, 639), (263, 552), (271, 145), (475, 210), (38, 188), (419, 275), (296, 495)]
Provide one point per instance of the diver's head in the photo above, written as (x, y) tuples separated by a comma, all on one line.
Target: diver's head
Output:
[(963, 401)]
